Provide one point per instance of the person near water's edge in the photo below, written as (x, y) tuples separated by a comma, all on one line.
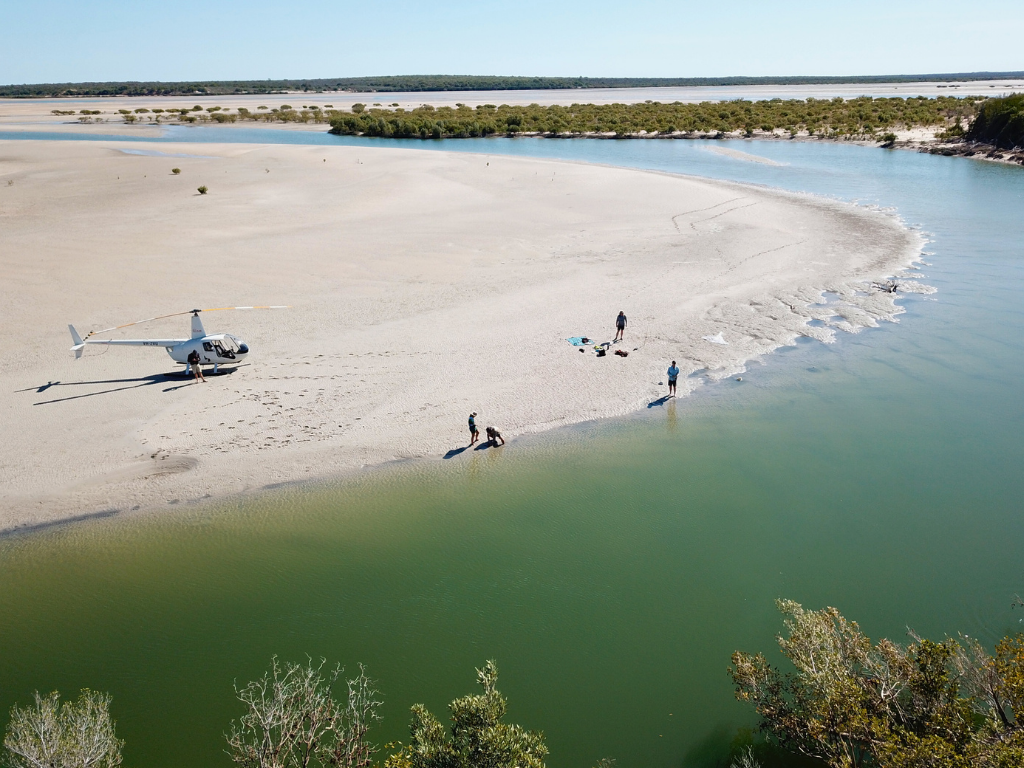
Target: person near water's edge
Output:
[(493, 436), (673, 374), (474, 433), (193, 360), (620, 325)]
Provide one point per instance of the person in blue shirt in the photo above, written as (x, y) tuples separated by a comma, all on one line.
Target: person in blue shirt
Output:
[(673, 374), (620, 326), (474, 433)]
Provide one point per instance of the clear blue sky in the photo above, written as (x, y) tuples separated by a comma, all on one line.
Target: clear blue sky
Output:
[(80, 40)]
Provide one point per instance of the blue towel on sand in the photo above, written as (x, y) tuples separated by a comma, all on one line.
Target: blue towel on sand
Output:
[(577, 341)]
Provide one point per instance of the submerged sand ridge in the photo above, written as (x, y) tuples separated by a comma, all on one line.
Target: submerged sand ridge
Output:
[(423, 286)]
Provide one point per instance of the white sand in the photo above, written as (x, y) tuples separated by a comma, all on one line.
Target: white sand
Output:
[(424, 285), (19, 111)]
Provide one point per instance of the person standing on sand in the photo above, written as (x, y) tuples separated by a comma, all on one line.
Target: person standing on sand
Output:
[(620, 325), (474, 433), (193, 360), (673, 374)]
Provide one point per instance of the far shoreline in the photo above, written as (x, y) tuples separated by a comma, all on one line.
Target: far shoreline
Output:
[(913, 140)]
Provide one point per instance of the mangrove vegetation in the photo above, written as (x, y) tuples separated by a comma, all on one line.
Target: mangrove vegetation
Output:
[(1000, 122), (847, 702), (852, 703), (294, 716), (863, 117)]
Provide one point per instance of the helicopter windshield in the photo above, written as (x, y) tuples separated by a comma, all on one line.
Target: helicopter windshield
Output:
[(225, 347)]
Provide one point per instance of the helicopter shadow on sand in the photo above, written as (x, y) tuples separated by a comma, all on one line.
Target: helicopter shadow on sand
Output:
[(178, 380)]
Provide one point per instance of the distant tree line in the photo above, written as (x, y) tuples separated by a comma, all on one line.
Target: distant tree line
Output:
[(450, 83)]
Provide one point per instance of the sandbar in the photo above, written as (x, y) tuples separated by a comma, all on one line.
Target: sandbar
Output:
[(422, 286)]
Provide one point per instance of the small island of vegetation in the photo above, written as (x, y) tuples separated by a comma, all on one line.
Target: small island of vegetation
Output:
[(863, 117)]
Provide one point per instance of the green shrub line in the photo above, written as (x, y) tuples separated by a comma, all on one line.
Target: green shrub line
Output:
[(833, 118), (861, 118), (998, 121)]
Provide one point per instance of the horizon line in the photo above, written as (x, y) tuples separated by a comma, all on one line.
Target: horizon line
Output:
[(524, 82)]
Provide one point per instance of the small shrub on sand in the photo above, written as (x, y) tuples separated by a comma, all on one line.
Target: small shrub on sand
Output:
[(203, 190), (175, 171)]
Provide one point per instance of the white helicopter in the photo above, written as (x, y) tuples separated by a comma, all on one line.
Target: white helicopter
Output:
[(216, 348)]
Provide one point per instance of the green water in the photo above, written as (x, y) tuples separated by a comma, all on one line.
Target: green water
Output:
[(610, 569)]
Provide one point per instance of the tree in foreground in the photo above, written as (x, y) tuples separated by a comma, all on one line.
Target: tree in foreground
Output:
[(70, 734), (853, 703), (478, 737), (293, 721)]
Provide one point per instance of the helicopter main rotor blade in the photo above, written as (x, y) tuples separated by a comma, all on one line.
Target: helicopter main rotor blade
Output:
[(270, 306), (147, 320), (178, 314)]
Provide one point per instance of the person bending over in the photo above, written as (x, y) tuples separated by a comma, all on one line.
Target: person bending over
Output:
[(493, 436)]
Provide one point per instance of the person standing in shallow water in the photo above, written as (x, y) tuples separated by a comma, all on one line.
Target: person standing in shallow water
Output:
[(673, 374), (620, 326), (474, 433)]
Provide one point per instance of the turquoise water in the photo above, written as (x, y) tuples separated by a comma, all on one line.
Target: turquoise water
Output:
[(611, 569)]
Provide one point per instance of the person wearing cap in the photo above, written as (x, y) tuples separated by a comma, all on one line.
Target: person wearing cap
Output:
[(474, 433)]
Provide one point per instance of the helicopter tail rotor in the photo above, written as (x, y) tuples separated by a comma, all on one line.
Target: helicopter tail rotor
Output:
[(79, 344)]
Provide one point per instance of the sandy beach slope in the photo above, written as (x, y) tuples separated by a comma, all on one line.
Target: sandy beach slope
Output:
[(423, 285)]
